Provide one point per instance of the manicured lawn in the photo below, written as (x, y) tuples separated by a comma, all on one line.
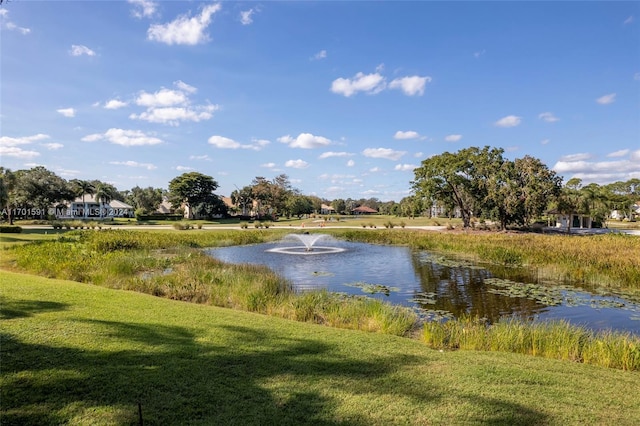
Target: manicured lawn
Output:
[(81, 354)]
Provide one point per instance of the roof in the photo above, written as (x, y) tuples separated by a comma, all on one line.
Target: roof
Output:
[(364, 209), (117, 204)]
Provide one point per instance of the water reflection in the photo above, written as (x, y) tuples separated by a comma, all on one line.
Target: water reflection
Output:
[(437, 286)]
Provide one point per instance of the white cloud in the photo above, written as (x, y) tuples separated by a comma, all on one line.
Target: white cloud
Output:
[(67, 172), (576, 157), (629, 20), (375, 170), (548, 117), (418, 154), (200, 157), (479, 53), (367, 83), (14, 151), (453, 138), (183, 168), (411, 86), (123, 137), (162, 98), (114, 104), (405, 167), (297, 164), (246, 16), (386, 153), (79, 50), (508, 121), (6, 23), (184, 29), (225, 143), (601, 171), (52, 146), (9, 141), (305, 141), (320, 55), (173, 115), (409, 134), (606, 99), (184, 86), (330, 154), (620, 153), (67, 112), (268, 165), (130, 163), (351, 163), (143, 8)]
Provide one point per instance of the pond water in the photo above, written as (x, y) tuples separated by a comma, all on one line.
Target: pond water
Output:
[(434, 285)]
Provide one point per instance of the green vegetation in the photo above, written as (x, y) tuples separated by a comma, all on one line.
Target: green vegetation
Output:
[(10, 229), (558, 340), (79, 354)]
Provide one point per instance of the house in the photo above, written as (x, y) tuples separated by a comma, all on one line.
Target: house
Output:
[(363, 210), (326, 209), (90, 208), (571, 220)]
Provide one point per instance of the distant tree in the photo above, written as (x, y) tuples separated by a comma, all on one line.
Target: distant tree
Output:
[(299, 205), (145, 199), (82, 188), (41, 189), (193, 189), (339, 205), (8, 183), (243, 198), (104, 193)]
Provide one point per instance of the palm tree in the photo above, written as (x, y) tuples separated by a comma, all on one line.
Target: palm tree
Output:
[(104, 194), (81, 188)]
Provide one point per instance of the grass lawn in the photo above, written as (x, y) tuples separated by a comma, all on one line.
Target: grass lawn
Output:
[(80, 354)]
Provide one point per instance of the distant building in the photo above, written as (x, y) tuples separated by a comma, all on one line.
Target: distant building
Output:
[(364, 210), (91, 208)]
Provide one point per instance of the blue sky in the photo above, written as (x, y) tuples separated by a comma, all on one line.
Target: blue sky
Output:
[(346, 98)]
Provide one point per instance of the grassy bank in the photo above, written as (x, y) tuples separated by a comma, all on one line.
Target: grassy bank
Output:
[(78, 354)]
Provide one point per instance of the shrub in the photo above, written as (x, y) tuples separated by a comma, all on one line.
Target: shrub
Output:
[(10, 229)]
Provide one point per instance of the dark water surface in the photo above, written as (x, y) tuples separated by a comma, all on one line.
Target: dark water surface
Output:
[(434, 285)]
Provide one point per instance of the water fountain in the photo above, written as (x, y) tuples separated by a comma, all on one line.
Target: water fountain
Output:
[(308, 240)]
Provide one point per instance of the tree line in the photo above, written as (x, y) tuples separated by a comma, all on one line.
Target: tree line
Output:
[(471, 183)]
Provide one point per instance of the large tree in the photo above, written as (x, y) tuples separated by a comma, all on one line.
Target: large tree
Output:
[(243, 198), (40, 189), (196, 191), (146, 200), (8, 183)]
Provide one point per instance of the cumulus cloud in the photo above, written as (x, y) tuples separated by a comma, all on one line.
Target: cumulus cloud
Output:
[(174, 115), (620, 153), (405, 167), (9, 146), (114, 104), (385, 153), (161, 98), (410, 86), (67, 112), (123, 137), (601, 171), (183, 168), (184, 86), (297, 164), (305, 141), (409, 134), (330, 154), (367, 83), (351, 163), (576, 157), (606, 99), (14, 151), (268, 165), (509, 121), (143, 8), (130, 163), (184, 29), (200, 157), (548, 117), (226, 143), (453, 138), (79, 50)]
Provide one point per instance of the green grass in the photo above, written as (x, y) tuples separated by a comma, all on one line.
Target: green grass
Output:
[(79, 354)]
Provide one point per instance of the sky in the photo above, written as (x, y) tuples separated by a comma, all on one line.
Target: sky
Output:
[(346, 98)]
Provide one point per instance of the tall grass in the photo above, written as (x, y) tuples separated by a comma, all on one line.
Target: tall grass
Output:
[(554, 339), (171, 265)]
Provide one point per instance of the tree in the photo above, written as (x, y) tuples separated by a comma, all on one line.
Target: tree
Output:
[(339, 205), (271, 196), (40, 189), (104, 193), (7, 192), (81, 188), (145, 199), (243, 198), (193, 189), (299, 205)]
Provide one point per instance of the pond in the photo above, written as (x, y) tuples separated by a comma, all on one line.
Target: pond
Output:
[(434, 285)]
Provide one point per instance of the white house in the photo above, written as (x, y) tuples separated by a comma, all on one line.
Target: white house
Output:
[(91, 208), (571, 220)]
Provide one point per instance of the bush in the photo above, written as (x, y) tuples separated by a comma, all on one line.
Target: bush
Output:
[(10, 229)]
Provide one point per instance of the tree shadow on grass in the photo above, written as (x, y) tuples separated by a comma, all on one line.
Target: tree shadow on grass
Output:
[(12, 308), (247, 377)]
